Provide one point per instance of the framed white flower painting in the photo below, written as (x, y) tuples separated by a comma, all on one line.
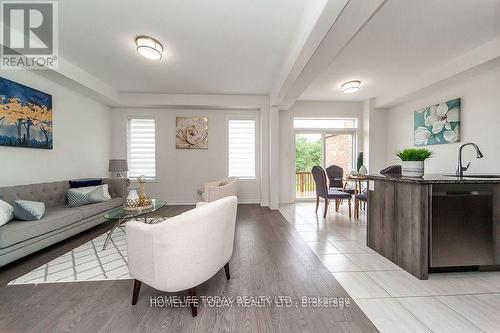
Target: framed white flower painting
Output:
[(191, 132), (437, 124)]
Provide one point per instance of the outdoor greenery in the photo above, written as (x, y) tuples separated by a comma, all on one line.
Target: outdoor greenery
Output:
[(414, 154), (307, 154)]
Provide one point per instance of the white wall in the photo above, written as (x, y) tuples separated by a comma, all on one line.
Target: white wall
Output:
[(480, 122), (287, 136), (181, 172), (81, 138), (366, 134), (374, 137)]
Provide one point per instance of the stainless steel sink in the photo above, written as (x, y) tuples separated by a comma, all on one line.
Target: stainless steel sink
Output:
[(475, 176)]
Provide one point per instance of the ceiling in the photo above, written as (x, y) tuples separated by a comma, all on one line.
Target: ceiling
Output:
[(404, 40), (216, 46)]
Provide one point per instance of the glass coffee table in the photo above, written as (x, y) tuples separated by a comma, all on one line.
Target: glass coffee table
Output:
[(122, 215)]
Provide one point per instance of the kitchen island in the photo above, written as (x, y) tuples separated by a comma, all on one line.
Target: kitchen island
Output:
[(435, 223)]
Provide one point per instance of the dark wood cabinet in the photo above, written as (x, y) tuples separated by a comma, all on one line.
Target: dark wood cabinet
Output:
[(398, 224), (466, 225)]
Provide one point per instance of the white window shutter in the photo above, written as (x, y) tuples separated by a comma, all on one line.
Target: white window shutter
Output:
[(241, 148), (141, 148)]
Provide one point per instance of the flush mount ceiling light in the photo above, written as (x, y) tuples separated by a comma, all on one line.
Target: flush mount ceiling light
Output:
[(351, 87), (149, 47)]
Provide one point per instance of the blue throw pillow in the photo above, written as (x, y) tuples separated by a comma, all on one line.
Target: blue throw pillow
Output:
[(84, 183), (28, 210)]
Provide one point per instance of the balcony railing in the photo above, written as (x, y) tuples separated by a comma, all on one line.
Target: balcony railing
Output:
[(304, 185)]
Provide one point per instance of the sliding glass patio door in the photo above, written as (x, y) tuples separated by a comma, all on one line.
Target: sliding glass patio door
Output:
[(322, 148), (308, 153), (339, 150)]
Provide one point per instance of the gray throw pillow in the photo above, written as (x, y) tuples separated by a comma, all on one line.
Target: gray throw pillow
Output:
[(77, 198), (86, 195), (28, 210)]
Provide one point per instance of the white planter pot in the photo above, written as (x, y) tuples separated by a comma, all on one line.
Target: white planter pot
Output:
[(412, 169)]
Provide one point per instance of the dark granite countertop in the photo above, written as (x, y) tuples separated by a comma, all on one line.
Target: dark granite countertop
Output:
[(437, 179)]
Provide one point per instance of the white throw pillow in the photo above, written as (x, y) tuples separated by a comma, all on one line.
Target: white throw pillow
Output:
[(99, 194), (88, 189), (6, 212), (105, 188)]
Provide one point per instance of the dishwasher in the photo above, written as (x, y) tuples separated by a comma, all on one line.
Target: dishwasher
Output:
[(461, 226)]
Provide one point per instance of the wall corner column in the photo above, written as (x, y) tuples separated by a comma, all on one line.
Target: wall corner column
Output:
[(274, 138)]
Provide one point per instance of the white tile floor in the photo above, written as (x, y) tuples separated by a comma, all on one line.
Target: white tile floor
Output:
[(394, 300)]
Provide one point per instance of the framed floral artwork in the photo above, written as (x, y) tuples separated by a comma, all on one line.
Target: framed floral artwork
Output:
[(437, 124), (191, 132)]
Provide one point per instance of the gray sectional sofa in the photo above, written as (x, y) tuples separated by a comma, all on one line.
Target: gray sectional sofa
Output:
[(20, 238)]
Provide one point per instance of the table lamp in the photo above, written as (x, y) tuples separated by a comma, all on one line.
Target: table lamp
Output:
[(118, 166)]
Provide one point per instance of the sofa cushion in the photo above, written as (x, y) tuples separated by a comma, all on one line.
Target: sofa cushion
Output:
[(6, 212), (99, 194), (51, 194), (28, 210), (55, 217), (85, 195), (77, 198), (94, 209)]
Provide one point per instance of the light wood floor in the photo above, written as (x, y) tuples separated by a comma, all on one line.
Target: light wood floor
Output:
[(394, 300), (270, 259)]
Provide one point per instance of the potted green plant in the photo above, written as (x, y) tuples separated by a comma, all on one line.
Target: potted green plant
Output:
[(413, 161)]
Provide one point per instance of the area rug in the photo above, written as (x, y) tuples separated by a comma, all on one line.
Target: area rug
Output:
[(88, 262)]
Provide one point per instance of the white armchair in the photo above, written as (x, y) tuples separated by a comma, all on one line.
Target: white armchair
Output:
[(185, 250), (223, 188)]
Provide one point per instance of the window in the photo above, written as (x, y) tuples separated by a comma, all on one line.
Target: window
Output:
[(324, 142), (325, 123), (241, 148), (141, 148)]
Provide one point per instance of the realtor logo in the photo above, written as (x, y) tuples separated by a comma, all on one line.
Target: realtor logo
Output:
[(29, 34)]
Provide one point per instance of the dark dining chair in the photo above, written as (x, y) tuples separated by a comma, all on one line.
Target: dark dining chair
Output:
[(391, 170), (335, 176), (322, 191), (336, 179), (358, 198)]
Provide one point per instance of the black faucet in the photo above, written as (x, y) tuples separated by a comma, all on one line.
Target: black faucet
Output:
[(460, 168)]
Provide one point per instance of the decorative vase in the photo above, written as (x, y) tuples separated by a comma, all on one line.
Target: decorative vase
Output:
[(132, 199), (142, 187), (363, 170), (412, 169)]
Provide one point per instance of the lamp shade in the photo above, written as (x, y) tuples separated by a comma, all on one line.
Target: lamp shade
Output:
[(118, 165)]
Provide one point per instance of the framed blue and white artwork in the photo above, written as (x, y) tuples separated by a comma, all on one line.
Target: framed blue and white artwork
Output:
[(437, 124)]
